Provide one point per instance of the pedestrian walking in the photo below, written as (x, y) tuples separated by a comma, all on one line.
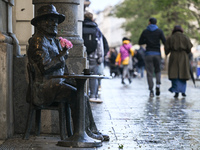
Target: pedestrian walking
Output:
[(126, 52), (93, 41), (179, 46), (151, 36), (114, 69), (140, 54)]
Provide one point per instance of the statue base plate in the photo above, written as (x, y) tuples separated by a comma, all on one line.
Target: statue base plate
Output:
[(80, 141)]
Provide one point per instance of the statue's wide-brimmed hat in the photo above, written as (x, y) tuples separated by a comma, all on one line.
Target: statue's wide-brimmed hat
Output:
[(45, 11)]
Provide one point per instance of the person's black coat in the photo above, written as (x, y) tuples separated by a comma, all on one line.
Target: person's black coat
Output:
[(105, 45)]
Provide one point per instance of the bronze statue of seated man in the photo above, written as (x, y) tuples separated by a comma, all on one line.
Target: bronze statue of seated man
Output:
[(48, 58)]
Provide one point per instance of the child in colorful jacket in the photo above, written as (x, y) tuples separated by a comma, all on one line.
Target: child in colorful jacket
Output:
[(126, 52)]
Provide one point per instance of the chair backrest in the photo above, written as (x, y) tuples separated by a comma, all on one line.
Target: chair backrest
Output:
[(31, 76), (29, 95)]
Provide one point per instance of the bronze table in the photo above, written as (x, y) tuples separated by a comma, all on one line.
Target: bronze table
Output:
[(80, 137)]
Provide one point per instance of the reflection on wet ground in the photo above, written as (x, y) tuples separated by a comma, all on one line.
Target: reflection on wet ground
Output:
[(134, 120)]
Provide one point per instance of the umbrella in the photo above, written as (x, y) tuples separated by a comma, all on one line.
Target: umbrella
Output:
[(192, 75)]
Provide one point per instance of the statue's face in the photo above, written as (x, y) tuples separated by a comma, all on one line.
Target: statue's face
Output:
[(49, 25)]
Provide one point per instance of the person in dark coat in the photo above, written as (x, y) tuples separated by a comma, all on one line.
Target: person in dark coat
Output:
[(179, 46), (105, 45), (151, 36), (95, 58), (113, 68), (140, 54), (101, 66)]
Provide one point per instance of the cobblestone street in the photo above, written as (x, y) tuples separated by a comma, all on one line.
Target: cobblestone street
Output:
[(138, 122), (134, 121)]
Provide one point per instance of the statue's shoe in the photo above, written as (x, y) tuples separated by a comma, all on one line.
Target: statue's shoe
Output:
[(105, 137), (94, 136)]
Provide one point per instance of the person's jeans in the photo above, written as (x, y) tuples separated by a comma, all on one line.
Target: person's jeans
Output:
[(100, 72), (126, 72), (93, 83), (140, 70), (152, 64)]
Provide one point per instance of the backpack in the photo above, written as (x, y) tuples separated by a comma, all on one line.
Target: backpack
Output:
[(90, 39)]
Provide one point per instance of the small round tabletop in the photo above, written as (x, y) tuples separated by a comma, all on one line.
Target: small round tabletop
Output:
[(82, 76)]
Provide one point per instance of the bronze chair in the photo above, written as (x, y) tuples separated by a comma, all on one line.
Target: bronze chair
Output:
[(62, 107)]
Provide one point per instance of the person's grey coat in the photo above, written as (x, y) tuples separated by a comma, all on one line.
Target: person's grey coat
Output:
[(179, 46)]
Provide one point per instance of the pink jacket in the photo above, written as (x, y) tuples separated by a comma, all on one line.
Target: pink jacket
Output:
[(125, 50)]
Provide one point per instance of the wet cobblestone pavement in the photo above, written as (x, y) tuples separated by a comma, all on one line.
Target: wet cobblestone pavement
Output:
[(134, 121)]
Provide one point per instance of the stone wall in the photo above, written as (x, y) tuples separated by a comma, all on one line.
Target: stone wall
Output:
[(6, 70), (22, 15), (6, 103), (20, 85)]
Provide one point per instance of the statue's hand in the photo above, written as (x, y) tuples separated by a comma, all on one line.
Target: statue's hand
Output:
[(63, 52)]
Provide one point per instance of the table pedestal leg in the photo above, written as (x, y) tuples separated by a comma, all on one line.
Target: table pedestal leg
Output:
[(80, 137)]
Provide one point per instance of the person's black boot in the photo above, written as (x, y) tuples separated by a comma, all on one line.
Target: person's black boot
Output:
[(129, 80), (183, 94), (176, 95), (157, 91), (123, 81), (151, 94)]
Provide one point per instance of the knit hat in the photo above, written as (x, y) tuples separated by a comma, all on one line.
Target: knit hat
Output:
[(47, 10), (153, 20), (88, 15), (177, 28), (125, 38)]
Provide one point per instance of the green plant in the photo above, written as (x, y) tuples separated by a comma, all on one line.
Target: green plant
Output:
[(121, 146)]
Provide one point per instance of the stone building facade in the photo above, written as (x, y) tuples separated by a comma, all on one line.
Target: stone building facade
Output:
[(111, 27)]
